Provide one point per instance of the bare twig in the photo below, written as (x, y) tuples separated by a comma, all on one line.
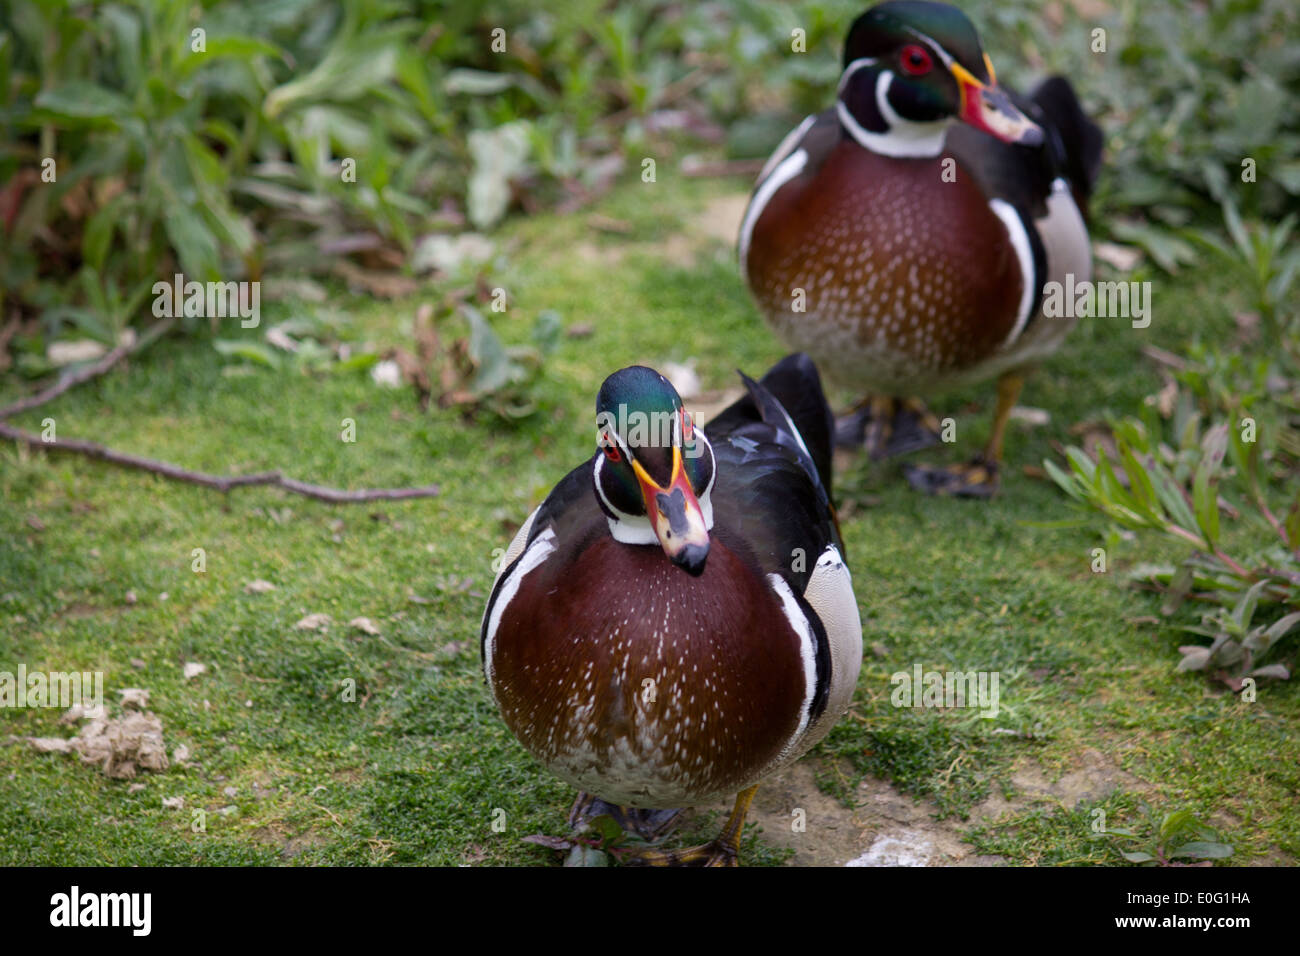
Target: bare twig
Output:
[(220, 482), (87, 372), (175, 472), (1161, 357)]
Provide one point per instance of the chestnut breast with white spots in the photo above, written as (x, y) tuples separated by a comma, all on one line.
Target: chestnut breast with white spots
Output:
[(908, 280), (634, 681)]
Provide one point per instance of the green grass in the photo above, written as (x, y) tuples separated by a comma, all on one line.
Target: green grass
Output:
[(413, 771)]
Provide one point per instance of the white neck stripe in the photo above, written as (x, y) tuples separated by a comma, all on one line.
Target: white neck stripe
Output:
[(905, 137)]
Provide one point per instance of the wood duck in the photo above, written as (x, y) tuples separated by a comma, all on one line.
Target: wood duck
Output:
[(675, 621), (903, 237)]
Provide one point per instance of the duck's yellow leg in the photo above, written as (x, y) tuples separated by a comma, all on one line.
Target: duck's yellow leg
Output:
[(722, 850), (1009, 386)]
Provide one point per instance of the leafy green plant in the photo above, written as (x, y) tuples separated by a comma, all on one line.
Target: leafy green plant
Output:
[(1175, 836), (1147, 488), (1267, 265)]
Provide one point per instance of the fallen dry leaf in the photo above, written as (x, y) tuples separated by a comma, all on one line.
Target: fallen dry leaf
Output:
[(193, 669), (1030, 415), (387, 285), (173, 803), (259, 586), (364, 624), (81, 350), (1122, 258), (314, 622)]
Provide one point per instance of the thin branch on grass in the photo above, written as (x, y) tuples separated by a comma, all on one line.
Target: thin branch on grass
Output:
[(220, 482), (87, 372), (166, 469)]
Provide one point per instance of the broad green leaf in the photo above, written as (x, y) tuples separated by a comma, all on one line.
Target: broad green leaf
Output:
[(232, 46), (1063, 481), (1244, 610), (492, 364), (1240, 238), (193, 241), (1163, 246), (1171, 496), (476, 82), (1282, 627), (98, 233), (1280, 671), (1137, 856), (1174, 823), (83, 101), (1179, 587), (252, 351), (1202, 850)]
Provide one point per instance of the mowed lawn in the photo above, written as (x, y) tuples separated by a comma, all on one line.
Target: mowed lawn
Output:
[(413, 770)]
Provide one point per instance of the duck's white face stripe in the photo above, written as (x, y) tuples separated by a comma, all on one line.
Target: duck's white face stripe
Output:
[(629, 529), (536, 553), (939, 50), (807, 648), (785, 171), (905, 137), (1025, 255), (636, 529), (851, 69)]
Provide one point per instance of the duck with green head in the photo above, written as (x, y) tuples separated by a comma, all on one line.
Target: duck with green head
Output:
[(903, 237), (676, 621)]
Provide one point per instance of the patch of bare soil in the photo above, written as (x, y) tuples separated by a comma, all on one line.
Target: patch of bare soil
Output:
[(721, 217), (890, 828)]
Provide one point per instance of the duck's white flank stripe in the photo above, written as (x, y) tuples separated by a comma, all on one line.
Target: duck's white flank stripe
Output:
[(1020, 242), (784, 148), (537, 552), (807, 650), (785, 171)]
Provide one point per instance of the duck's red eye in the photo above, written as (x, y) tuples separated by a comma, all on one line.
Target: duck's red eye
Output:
[(611, 448), (688, 427), (916, 60)]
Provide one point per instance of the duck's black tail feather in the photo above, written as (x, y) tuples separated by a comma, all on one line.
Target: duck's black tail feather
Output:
[(797, 388), (1075, 141), (797, 385)]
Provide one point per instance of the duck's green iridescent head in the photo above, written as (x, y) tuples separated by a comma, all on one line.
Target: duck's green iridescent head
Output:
[(911, 61), (653, 469)]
